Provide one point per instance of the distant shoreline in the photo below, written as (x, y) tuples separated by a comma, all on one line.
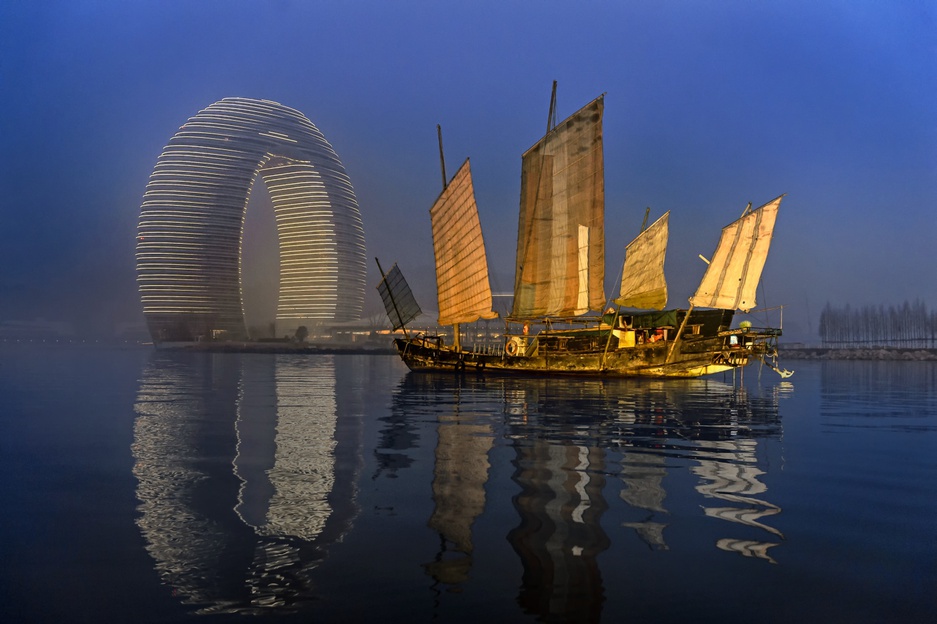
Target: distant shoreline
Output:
[(277, 347), (863, 353)]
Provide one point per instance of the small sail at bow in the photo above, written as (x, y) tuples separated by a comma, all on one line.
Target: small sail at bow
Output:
[(461, 265), (643, 284), (733, 273), (561, 230), (399, 302)]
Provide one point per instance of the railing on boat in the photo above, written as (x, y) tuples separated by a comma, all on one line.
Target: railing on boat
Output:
[(488, 348)]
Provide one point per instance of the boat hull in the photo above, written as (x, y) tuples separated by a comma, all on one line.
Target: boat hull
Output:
[(684, 359)]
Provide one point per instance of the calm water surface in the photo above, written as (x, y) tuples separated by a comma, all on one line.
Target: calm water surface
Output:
[(152, 487)]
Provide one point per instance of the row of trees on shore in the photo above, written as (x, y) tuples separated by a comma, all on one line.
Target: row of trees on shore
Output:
[(907, 325)]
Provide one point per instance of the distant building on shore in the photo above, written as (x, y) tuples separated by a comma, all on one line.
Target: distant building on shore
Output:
[(191, 223)]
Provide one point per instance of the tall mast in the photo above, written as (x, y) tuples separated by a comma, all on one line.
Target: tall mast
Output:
[(442, 158), (456, 334), (551, 116)]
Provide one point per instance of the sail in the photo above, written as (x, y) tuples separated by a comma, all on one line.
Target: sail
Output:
[(733, 273), (643, 284), (461, 266), (399, 302), (560, 268)]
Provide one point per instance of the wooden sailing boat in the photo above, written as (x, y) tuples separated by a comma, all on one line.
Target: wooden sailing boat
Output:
[(557, 324)]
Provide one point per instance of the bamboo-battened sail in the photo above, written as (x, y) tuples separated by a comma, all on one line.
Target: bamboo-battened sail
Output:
[(735, 268), (643, 284), (560, 268), (399, 302), (462, 284)]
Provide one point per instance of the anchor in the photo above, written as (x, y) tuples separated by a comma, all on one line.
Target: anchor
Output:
[(783, 372)]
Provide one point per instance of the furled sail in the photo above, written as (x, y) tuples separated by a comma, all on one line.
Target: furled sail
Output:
[(560, 268), (461, 266), (399, 302), (733, 273), (643, 284)]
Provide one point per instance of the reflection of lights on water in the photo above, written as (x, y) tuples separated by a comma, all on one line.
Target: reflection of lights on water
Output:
[(784, 389), (283, 457), (301, 471)]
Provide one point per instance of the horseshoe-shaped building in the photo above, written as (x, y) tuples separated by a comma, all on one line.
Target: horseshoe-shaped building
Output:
[(192, 219)]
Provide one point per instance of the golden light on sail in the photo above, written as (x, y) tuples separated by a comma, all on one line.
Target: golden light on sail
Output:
[(643, 284), (462, 284), (562, 205), (735, 268)]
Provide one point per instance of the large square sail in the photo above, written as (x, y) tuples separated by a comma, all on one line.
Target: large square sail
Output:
[(560, 268), (462, 284), (643, 284), (732, 277)]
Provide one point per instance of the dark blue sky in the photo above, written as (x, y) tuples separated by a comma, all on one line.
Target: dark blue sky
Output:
[(709, 105)]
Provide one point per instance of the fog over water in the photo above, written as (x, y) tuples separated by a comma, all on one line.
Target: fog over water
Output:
[(708, 107)]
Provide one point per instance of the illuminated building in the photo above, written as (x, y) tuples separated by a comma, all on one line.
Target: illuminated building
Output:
[(192, 220)]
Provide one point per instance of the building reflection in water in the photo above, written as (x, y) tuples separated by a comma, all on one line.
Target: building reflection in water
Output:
[(245, 475)]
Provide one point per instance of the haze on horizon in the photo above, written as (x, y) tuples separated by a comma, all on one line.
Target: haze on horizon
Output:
[(709, 106)]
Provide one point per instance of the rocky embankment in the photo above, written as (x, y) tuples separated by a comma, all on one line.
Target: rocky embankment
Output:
[(874, 353)]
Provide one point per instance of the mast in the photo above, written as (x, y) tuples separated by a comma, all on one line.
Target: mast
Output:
[(551, 116), (463, 290), (442, 158), (456, 334), (560, 262), (673, 345)]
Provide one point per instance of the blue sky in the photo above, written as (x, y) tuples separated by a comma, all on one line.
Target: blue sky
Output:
[(709, 105)]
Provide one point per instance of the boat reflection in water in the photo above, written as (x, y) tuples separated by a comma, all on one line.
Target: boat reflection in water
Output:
[(560, 506), (572, 442), (251, 468), (459, 477), (243, 464), (717, 427)]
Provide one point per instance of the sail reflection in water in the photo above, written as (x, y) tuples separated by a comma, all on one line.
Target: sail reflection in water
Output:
[(459, 477), (559, 535), (568, 441), (465, 434), (717, 427), (242, 464), (537, 496)]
